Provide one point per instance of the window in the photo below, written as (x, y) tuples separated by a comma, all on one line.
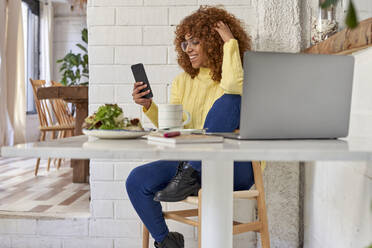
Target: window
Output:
[(31, 34)]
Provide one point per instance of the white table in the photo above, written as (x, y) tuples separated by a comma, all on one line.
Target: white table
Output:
[(217, 159)]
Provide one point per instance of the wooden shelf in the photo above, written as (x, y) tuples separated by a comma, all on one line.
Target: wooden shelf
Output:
[(346, 41)]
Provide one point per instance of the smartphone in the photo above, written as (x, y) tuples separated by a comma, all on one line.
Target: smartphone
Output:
[(140, 76)]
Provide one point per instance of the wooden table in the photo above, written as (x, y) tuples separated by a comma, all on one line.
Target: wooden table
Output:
[(77, 95)]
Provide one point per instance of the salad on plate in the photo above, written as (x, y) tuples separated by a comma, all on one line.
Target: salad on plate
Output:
[(110, 117), (108, 122)]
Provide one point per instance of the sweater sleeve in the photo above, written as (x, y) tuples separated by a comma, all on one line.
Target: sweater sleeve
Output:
[(152, 113), (232, 70), (175, 92)]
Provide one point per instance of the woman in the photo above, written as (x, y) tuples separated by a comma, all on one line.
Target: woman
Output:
[(210, 44)]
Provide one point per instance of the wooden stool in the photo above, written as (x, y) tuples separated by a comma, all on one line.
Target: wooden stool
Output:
[(260, 225)]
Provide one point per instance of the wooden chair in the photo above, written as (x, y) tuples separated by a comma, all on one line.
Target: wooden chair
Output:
[(63, 113), (63, 116), (46, 119), (260, 225)]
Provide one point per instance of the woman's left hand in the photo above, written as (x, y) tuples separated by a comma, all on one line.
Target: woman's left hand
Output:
[(224, 31)]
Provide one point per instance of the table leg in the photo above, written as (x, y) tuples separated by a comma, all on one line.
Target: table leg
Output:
[(80, 167), (80, 170), (217, 204), (81, 114)]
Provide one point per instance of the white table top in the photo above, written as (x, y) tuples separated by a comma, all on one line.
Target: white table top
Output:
[(80, 147)]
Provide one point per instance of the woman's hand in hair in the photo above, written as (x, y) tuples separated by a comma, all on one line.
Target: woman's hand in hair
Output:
[(137, 95), (224, 31)]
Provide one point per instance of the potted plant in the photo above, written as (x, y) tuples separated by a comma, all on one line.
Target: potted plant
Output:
[(75, 67)]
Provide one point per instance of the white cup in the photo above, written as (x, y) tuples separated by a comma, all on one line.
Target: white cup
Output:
[(170, 116)]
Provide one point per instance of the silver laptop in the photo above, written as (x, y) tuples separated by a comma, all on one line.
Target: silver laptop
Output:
[(295, 96)]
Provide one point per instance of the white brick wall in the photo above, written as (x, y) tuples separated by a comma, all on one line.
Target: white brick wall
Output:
[(107, 190), (88, 242), (103, 16), (102, 208), (67, 32), (10, 226), (114, 228), (123, 209), (101, 55), (139, 16), (73, 227), (127, 243), (135, 32), (5, 241), (114, 3), (141, 54), (22, 242), (114, 35)]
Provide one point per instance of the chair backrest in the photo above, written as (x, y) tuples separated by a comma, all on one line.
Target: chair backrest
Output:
[(61, 109), (42, 108)]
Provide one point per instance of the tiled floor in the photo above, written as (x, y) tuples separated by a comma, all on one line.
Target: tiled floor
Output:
[(50, 194)]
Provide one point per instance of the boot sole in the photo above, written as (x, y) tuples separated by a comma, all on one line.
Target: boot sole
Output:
[(177, 198)]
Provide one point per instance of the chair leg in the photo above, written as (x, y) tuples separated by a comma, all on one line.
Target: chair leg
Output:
[(37, 166), (261, 205), (199, 217), (42, 138), (59, 163), (48, 167), (145, 237), (63, 135), (50, 159)]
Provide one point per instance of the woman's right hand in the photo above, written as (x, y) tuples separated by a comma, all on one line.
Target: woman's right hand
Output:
[(137, 95)]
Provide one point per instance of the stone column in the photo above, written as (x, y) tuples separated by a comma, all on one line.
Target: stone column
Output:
[(279, 30)]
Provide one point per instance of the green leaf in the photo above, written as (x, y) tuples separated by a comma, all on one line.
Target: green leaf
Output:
[(63, 67), (351, 17), (82, 47), (73, 60), (84, 35), (75, 66), (328, 3), (85, 57), (78, 74)]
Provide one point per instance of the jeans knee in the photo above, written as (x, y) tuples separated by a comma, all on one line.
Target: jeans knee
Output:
[(224, 116), (132, 182), (229, 100)]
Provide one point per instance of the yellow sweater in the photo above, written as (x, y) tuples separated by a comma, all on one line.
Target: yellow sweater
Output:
[(197, 95)]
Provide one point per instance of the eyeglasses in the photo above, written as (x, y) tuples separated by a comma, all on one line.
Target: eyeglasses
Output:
[(192, 43)]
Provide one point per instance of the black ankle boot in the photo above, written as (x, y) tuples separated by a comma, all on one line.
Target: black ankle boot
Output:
[(173, 240), (182, 185)]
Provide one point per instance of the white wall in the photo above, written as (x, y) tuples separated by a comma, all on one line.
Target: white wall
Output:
[(67, 32), (363, 7), (338, 195)]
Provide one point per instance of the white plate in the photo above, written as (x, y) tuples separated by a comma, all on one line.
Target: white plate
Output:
[(115, 133)]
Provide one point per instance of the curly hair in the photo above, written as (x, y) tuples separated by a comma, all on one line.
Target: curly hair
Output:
[(201, 25)]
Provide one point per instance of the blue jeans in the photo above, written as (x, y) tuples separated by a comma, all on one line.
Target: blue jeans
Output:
[(144, 181)]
